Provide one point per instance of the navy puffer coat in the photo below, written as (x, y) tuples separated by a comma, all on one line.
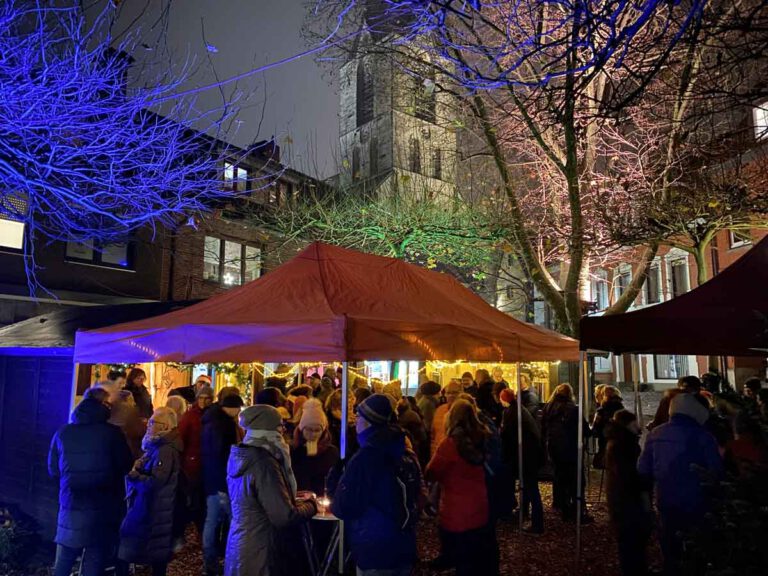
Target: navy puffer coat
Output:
[(146, 534), (90, 457)]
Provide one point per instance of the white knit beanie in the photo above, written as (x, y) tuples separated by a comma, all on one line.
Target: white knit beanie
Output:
[(312, 414)]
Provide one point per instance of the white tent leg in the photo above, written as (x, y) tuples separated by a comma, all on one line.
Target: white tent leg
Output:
[(583, 376), (520, 447), (343, 447)]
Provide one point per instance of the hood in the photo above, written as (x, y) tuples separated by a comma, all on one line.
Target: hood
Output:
[(90, 412), (242, 458), (172, 438), (688, 405), (388, 439), (214, 412)]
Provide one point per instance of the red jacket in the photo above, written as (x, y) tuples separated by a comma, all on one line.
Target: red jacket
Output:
[(463, 495), (191, 432)]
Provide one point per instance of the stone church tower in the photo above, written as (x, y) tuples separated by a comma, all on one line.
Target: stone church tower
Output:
[(396, 129)]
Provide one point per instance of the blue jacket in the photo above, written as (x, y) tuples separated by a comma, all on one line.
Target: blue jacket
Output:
[(90, 458), (371, 499), (671, 456)]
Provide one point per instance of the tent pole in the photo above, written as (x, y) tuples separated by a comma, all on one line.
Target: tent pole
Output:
[(520, 508), (580, 456), (636, 385), (343, 447)]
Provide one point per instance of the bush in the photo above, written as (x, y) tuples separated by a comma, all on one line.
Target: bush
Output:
[(732, 540), (18, 535)]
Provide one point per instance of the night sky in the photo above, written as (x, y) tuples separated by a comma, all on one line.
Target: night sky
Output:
[(301, 98)]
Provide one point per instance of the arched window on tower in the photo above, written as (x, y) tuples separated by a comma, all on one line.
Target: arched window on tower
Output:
[(424, 90), (414, 155), (364, 93)]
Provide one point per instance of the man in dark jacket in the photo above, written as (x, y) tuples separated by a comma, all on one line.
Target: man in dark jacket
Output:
[(379, 493), (628, 494), (674, 457), (220, 433), (533, 458), (90, 458)]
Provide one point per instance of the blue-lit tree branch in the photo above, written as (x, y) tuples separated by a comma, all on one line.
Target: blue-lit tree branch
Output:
[(82, 155)]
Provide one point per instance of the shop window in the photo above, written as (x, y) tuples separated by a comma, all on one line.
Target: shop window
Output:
[(670, 367), (112, 255), (230, 263), (760, 120), (653, 285), (739, 238), (235, 178), (414, 155)]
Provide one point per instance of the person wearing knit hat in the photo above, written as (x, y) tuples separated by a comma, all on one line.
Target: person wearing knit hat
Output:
[(676, 456), (382, 521), (270, 396), (394, 389), (312, 452), (262, 489)]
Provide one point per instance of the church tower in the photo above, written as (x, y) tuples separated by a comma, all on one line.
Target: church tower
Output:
[(396, 128)]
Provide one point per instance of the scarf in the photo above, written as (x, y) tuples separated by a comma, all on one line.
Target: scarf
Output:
[(273, 442)]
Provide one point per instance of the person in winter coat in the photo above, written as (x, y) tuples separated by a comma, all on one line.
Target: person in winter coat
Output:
[(189, 393), (262, 489), (560, 431), (380, 494), (611, 403), (533, 458), (178, 405), (674, 457), (428, 400), (687, 385), (89, 457), (458, 467), (125, 415), (146, 535), (411, 422), (135, 385), (220, 433), (469, 386), (486, 400), (313, 454), (451, 391), (628, 494), (528, 396)]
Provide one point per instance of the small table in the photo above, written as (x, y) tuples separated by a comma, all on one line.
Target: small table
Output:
[(321, 567)]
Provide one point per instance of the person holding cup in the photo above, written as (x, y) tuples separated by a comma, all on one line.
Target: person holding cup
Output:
[(262, 490)]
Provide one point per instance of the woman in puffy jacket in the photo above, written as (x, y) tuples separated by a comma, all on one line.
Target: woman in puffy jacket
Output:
[(146, 534), (262, 489), (458, 467)]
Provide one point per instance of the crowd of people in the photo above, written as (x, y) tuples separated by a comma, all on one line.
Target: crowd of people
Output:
[(133, 478)]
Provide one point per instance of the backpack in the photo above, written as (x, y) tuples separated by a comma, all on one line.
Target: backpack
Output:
[(409, 488)]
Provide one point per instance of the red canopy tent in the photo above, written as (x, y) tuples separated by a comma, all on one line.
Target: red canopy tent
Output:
[(726, 316), (331, 304)]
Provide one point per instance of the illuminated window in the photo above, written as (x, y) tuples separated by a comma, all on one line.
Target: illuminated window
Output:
[(113, 255), (12, 213), (235, 178), (760, 119), (230, 263)]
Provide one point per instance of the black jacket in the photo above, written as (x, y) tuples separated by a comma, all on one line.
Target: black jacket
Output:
[(311, 471), (146, 534), (186, 392), (90, 457), (143, 400), (219, 435), (560, 429), (624, 487), (533, 450)]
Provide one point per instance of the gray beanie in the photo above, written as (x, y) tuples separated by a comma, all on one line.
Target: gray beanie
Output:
[(688, 405), (260, 417)]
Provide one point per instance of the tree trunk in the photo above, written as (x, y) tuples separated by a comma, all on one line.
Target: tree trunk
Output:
[(638, 279), (700, 256)]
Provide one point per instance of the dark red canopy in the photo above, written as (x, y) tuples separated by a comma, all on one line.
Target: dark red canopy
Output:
[(726, 316), (331, 304)]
